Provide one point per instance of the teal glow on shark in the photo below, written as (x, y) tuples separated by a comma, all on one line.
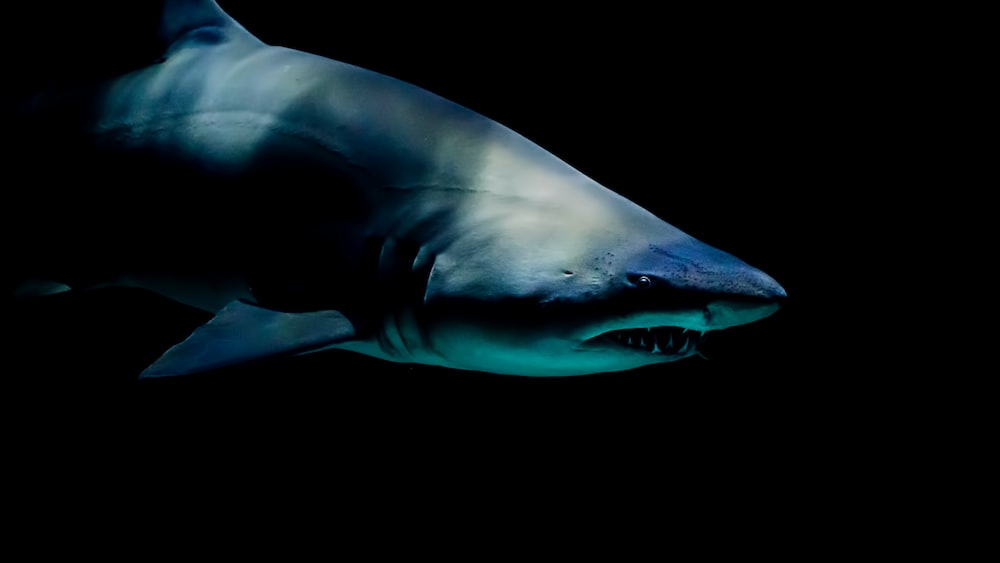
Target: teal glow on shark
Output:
[(317, 205)]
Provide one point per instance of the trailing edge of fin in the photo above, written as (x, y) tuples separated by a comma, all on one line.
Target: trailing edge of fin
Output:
[(182, 17), (38, 287)]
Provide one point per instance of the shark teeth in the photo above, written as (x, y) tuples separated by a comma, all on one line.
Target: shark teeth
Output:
[(660, 340)]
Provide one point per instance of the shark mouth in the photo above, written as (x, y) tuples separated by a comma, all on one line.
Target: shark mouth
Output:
[(665, 340)]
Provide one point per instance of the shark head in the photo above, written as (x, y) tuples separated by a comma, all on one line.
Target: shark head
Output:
[(553, 283)]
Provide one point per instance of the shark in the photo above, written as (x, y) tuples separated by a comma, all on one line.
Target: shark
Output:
[(310, 204)]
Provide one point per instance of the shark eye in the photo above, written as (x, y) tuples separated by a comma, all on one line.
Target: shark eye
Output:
[(642, 282)]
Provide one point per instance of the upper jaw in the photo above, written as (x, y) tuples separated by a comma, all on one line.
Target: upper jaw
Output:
[(680, 320), (665, 341), (671, 334), (714, 315)]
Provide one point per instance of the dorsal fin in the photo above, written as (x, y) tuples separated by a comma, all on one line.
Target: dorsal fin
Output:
[(196, 20), (74, 41)]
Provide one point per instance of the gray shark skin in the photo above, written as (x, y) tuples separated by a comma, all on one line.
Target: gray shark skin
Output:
[(313, 204)]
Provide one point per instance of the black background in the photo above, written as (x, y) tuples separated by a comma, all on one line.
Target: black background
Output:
[(728, 125)]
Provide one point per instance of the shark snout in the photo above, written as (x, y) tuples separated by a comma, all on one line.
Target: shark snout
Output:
[(691, 265), (762, 286), (741, 294), (730, 291)]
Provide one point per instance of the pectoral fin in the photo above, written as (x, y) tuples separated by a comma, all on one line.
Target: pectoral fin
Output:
[(242, 332)]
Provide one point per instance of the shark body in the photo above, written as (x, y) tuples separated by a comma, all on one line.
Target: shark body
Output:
[(314, 204)]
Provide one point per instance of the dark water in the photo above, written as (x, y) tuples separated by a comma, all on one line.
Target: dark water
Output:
[(713, 129)]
